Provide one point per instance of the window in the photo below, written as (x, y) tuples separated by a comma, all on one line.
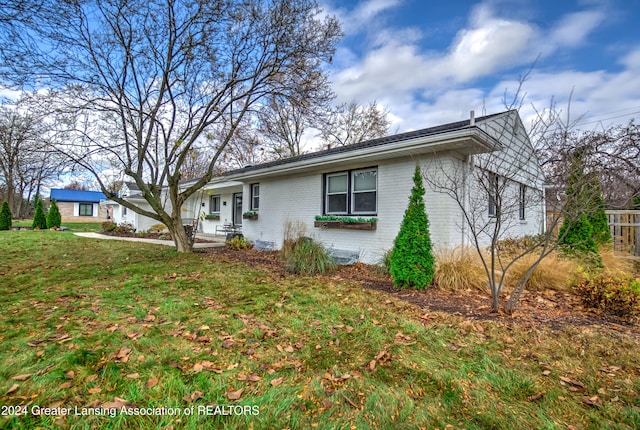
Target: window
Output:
[(85, 209), (521, 201), (214, 204), (255, 197), (124, 210), (493, 188), (352, 192), (337, 191)]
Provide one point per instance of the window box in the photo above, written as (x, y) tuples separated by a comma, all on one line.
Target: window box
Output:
[(347, 223), (213, 217), (250, 215)]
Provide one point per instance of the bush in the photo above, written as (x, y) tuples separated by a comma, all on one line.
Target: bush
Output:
[(54, 219), (459, 269), (412, 262), (39, 218), (614, 293), (5, 217), (305, 256), (157, 228), (124, 228), (238, 243), (109, 226)]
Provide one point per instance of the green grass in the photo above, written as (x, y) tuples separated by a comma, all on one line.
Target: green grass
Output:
[(74, 226), (92, 322)]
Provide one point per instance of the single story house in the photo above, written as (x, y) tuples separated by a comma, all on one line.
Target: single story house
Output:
[(80, 205), (371, 181), (124, 215)]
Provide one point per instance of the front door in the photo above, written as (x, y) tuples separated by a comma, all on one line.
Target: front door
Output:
[(237, 208)]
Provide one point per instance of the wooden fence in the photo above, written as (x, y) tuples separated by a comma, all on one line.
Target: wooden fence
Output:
[(625, 231)]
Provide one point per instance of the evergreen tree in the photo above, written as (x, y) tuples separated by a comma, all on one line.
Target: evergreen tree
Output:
[(39, 219), (5, 217), (411, 261), (54, 218), (597, 215), (584, 200)]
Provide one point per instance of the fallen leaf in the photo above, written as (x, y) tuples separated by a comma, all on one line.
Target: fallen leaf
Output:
[(197, 367), (277, 381), (288, 348), (39, 353), (546, 373), (65, 385), (70, 374), (13, 388), (91, 378), (573, 382), (592, 401), (23, 377), (117, 403), (235, 395), (536, 397), (95, 390), (152, 382), (193, 396), (254, 378), (133, 376)]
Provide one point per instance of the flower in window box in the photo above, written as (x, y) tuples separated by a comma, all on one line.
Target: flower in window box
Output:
[(214, 217), (250, 215)]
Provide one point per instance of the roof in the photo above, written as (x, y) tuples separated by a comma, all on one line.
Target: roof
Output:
[(62, 195), (378, 145)]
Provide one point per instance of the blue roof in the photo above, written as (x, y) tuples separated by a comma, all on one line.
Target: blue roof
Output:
[(76, 195)]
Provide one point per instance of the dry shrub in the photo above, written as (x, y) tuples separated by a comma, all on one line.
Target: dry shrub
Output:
[(554, 272), (293, 230), (157, 228), (459, 269), (615, 263)]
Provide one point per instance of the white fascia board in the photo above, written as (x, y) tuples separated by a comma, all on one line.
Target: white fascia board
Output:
[(468, 141)]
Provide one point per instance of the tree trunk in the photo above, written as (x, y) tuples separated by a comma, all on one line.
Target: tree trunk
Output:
[(180, 238)]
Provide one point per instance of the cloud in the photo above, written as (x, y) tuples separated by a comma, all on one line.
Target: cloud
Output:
[(423, 86), (573, 29)]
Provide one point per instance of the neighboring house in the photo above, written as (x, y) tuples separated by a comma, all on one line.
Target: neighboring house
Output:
[(371, 179), (80, 205), (124, 215)]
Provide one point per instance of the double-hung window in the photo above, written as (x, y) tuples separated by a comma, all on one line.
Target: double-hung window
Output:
[(522, 201), (493, 189), (214, 204), (255, 197), (354, 192), (85, 209)]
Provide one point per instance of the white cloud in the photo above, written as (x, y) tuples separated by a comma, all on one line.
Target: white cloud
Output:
[(423, 87)]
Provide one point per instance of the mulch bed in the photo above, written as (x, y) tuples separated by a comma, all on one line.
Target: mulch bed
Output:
[(555, 310), (160, 236)]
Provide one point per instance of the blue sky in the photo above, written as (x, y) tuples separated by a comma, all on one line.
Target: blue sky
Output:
[(431, 62)]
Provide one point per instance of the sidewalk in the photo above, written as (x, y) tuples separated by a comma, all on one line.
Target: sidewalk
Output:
[(217, 242)]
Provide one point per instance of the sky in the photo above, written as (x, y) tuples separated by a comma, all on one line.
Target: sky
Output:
[(430, 62)]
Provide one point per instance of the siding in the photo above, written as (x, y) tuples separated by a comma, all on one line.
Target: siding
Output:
[(299, 199)]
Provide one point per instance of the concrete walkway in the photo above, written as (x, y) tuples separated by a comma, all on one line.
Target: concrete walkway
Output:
[(217, 242)]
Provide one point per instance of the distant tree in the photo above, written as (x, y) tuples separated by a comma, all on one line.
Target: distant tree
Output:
[(39, 218), (54, 219), (351, 123), (411, 261), (5, 217)]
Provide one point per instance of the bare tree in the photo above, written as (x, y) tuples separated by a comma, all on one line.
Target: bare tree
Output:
[(496, 193), (26, 159), (352, 123), (145, 80)]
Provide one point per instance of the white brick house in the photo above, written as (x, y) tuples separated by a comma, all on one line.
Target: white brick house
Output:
[(373, 179)]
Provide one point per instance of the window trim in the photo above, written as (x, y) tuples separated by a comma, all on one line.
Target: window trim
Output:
[(326, 193), (350, 193), (214, 196), (84, 204), (254, 206)]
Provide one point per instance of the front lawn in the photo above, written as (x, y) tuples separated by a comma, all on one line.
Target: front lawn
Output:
[(197, 341)]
